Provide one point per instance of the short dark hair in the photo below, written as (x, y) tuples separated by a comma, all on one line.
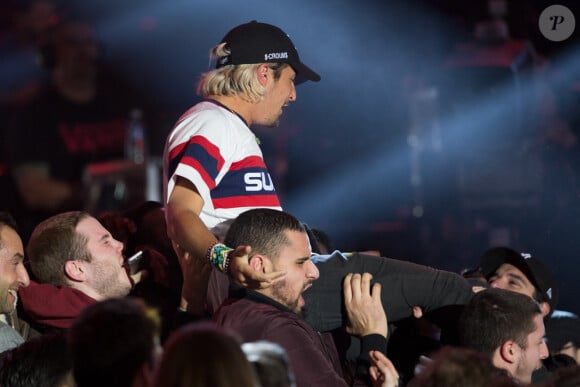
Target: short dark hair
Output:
[(202, 354), (42, 361), (111, 340), (494, 316), (7, 220), (54, 242), (263, 229)]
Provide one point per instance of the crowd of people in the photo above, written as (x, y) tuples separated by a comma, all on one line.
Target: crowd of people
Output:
[(229, 289)]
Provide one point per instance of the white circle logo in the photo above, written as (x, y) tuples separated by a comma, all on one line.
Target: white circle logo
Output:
[(557, 23)]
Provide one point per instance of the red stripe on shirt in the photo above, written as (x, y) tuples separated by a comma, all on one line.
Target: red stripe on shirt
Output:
[(247, 201), (248, 162)]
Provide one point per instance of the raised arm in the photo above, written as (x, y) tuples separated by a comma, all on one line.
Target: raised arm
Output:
[(366, 319)]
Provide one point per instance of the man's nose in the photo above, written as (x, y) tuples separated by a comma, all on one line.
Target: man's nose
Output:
[(23, 278), (119, 246), (496, 283), (313, 272), (544, 351), (293, 95)]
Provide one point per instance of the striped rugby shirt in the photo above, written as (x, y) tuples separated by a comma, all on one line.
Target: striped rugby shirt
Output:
[(214, 149)]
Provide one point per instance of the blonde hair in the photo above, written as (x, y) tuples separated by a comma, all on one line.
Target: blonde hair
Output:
[(232, 80)]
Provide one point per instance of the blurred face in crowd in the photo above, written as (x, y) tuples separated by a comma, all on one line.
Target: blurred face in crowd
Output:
[(13, 274), (76, 48), (106, 273), (509, 277), (294, 259), (536, 350)]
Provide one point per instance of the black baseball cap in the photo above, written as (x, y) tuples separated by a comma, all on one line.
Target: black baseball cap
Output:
[(533, 268), (256, 42), (562, 330)]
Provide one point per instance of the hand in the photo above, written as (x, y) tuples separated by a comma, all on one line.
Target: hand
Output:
[(364, 308), (382, 371), (241, 271), (417, 312)]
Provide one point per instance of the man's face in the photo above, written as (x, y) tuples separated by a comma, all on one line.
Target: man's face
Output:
[(509, 277), (106, 276), (76, 47), (279, 93), (294, 259), (13, 274), (530, 358)]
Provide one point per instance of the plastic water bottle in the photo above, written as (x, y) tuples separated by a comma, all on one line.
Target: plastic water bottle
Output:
[(135, 147)]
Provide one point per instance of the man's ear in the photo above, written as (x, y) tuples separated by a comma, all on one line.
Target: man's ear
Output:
[(509, 351), (545, 308), (75, 270), (260, 263), (263, 73)]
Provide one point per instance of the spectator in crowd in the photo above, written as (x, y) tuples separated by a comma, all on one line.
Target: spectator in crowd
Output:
[(508, 328), (21, 76), (199, 354), (143, 228), (78, 118), (76, 262), (279, 242), (523, 273), (42, 361), (115, 343), (13, 276), (30, 20), (563, 336)]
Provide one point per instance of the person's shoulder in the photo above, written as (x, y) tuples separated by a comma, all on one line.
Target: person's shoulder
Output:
[(212, 122), (201, 116), (9, 337), (203, 110)]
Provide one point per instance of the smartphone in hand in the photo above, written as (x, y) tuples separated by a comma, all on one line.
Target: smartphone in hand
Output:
[(135, 262)]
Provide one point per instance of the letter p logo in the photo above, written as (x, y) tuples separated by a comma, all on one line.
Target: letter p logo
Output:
[(557, 23), (556, 20)]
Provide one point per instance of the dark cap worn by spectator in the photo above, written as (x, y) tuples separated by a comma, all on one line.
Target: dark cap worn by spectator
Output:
[(561, 331), (256, 42), (533, 268)]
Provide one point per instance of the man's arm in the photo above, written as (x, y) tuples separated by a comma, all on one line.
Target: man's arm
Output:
[(192, 241), (404, 285)]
